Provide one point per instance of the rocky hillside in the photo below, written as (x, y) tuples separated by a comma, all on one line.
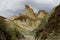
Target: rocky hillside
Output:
[(52, 27), (31, 26), (21, 27), (28, 20)]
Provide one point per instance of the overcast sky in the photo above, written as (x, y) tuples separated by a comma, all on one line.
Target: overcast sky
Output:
[(13, 7)]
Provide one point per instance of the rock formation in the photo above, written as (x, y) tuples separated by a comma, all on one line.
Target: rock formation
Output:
[(20, 27), (30, 26), (28, 21), (29, 18), (52, 27)]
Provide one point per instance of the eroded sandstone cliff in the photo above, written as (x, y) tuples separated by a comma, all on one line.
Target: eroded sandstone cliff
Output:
[(31, 26)]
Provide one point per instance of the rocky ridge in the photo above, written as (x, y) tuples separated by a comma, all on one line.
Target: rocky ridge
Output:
[(30, 26), (52, 27)]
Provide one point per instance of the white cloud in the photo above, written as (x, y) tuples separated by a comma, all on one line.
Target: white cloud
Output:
[(12, 7), (43, 4), (50, 2)]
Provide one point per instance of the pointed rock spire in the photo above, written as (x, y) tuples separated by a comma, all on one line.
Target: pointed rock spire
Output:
[(41, 14), (27, 6), (28, 11)]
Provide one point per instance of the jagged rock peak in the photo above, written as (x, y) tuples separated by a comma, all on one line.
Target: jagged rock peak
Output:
[(44, 12), (41, 14), (28, 12), (27, 6)]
